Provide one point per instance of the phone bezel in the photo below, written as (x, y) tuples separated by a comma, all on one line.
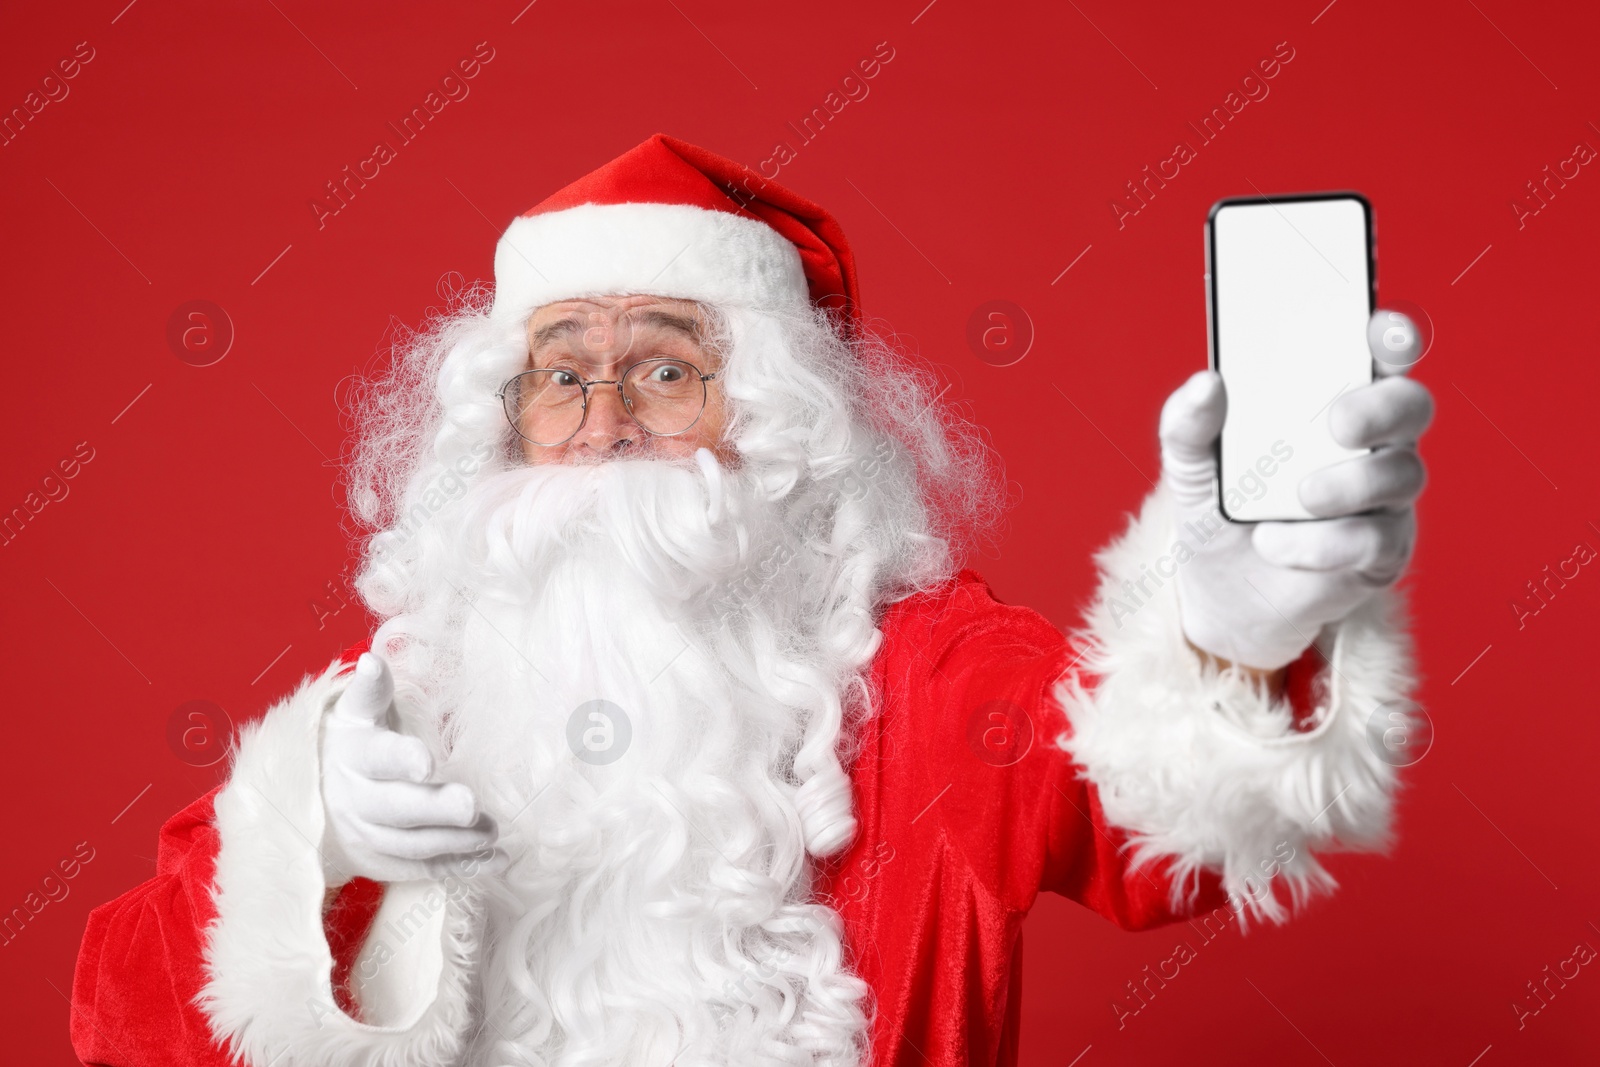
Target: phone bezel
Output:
[(1211, 301)]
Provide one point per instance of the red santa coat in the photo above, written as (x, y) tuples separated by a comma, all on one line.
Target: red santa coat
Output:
[(995, 768)]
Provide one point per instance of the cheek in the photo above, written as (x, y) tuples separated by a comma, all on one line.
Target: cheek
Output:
[(534, 455), (709, 430), (707, 433)]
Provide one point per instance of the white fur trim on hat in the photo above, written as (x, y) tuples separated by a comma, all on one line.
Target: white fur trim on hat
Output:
[(672, 250), (1202, 769)]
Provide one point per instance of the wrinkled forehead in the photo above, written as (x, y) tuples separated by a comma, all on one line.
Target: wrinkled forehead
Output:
[(610, 328)]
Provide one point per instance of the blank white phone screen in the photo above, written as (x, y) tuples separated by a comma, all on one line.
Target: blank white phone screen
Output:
[(1292, 299)]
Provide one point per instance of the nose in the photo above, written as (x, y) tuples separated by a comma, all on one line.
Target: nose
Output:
[(608, 430)]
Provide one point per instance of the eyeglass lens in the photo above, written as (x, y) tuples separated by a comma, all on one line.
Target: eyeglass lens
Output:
[(664, 396)]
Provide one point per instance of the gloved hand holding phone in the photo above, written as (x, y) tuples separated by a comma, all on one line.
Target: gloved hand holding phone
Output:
[(1256, 594)]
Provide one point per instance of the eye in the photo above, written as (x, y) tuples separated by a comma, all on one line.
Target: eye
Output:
[(667, 373), (564, 379)]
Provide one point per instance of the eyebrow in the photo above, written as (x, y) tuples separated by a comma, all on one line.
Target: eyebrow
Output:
[(571, 324)]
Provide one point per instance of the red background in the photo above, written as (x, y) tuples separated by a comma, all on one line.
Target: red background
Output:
[(190, 549)]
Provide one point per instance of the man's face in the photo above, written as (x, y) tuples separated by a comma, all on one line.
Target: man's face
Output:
[(599, 340)]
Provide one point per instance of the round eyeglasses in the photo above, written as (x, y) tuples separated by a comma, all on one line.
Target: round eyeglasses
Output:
[(547, 406)]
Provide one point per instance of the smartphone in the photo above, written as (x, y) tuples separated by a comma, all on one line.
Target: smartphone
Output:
[(1290, 285)]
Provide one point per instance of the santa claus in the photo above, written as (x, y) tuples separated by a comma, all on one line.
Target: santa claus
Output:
[(684, 737)]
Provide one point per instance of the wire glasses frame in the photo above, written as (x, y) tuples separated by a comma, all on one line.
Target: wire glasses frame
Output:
[(647, 407)]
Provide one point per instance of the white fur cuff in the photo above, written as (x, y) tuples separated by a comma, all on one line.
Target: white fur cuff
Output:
[(269, 993), (1204, 771)]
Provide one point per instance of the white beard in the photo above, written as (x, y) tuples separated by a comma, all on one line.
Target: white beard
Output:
[(657, 904)]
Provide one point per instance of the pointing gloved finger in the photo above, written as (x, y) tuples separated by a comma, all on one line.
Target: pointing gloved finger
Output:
[(370, 692), (1387, 478), (1390, 411), (1191, 419), (387, 755), (1376, 545), (1395, 342), (428, 842), (408, 804)]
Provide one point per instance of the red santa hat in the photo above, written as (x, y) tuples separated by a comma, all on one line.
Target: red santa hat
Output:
[(669, 218)]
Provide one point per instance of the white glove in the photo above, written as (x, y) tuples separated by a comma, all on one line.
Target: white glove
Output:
[(386, 820), (1257, 593)]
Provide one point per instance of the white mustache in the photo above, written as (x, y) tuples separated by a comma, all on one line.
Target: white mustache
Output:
[(668, 522)]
